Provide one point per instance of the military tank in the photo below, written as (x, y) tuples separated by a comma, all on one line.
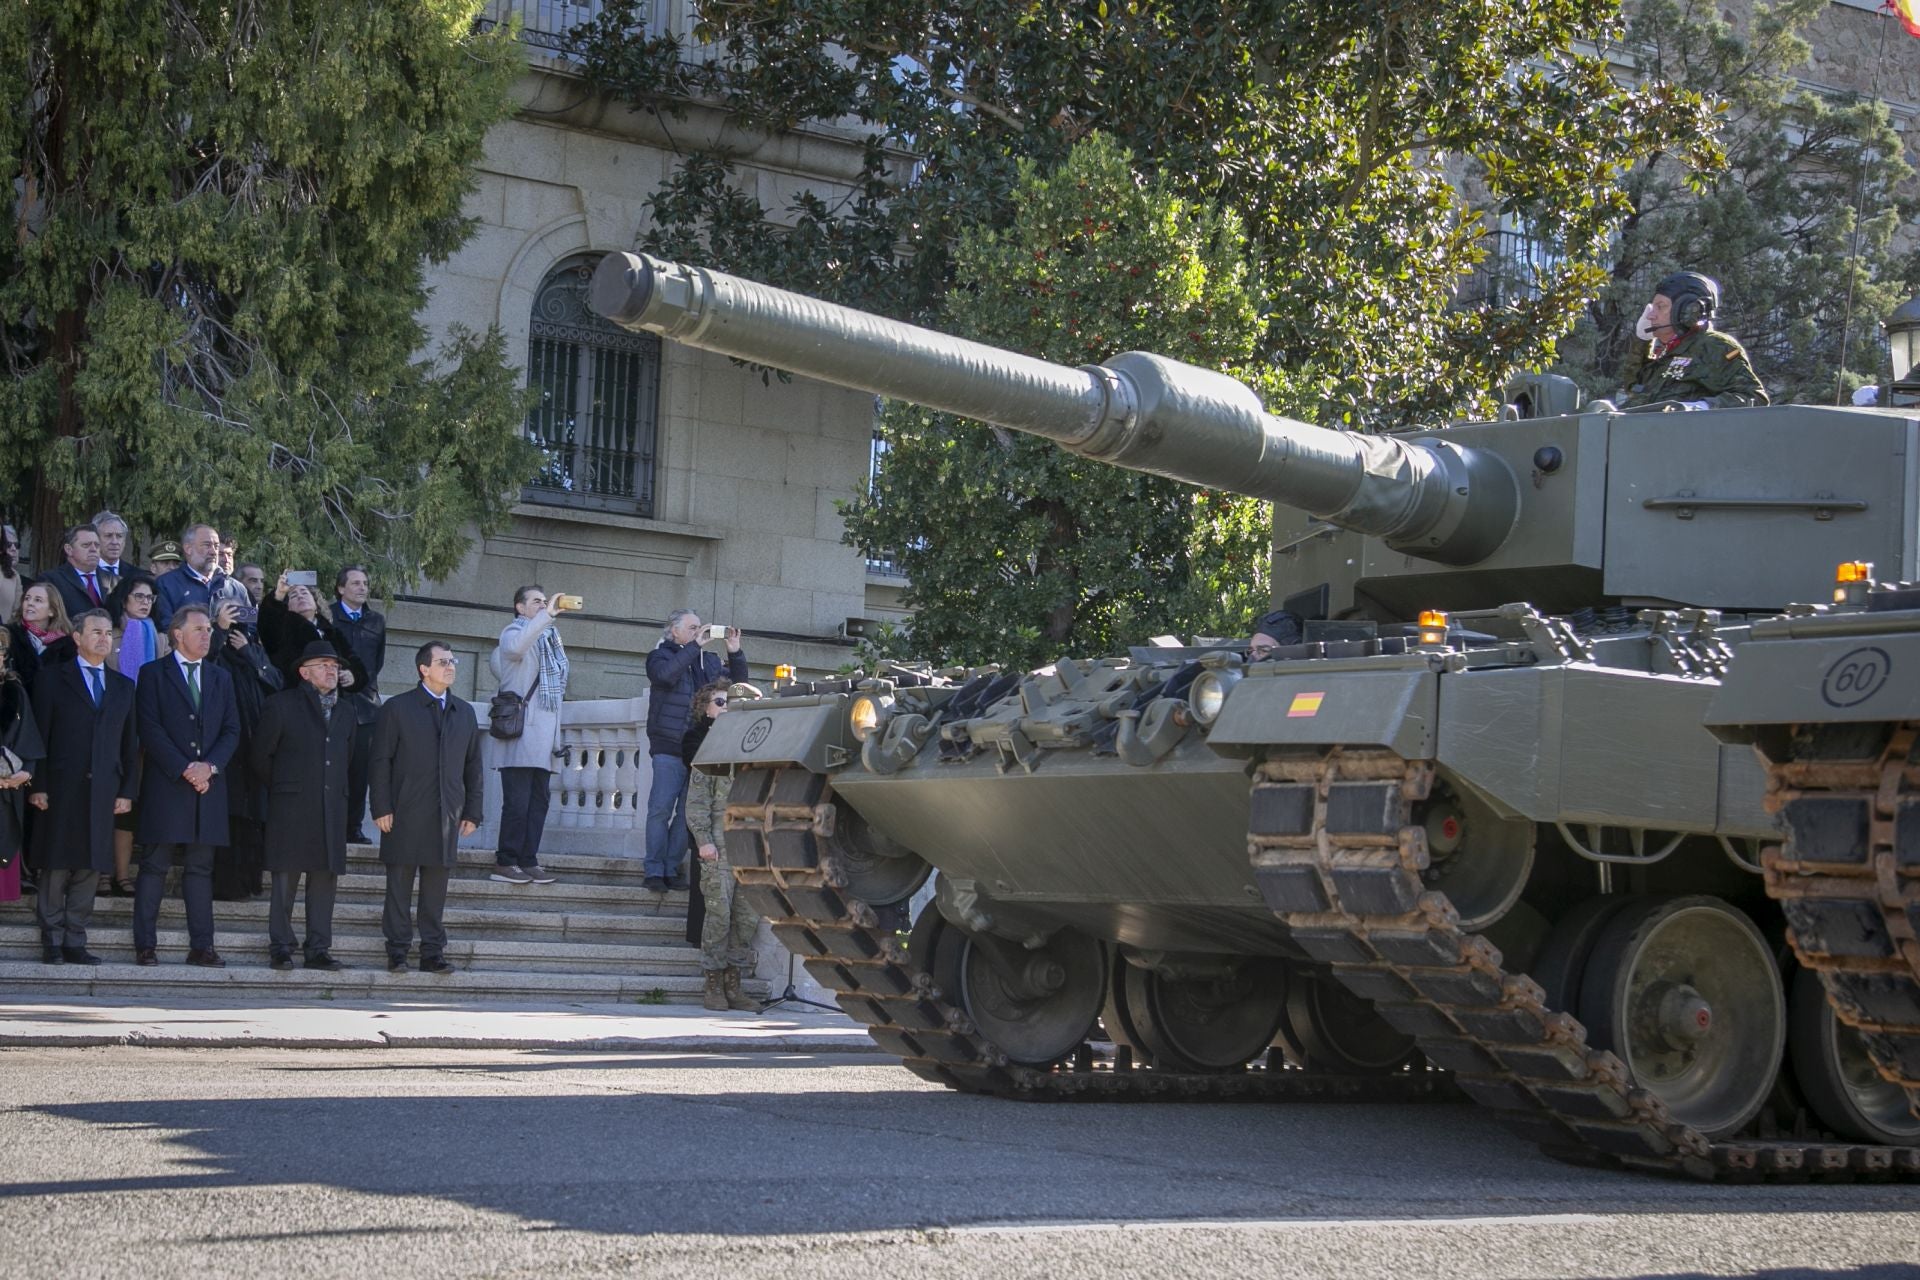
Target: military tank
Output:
[(1440, 840), (1827, 697)]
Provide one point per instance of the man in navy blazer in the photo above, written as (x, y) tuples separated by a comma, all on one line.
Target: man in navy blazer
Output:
[(189, 728)]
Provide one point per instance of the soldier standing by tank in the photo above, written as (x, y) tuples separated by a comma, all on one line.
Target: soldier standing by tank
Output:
[(1688, 363), (726, 938)]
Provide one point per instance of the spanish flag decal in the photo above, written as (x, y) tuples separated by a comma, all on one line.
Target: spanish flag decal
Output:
[(1308, 704), (1908, 11)]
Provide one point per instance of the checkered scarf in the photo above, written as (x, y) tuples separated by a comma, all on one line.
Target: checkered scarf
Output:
[(553, 669)]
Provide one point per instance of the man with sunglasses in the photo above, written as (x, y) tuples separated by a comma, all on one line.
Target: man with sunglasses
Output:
[(425, 785)]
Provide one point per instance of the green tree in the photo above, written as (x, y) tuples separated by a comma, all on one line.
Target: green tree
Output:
[(1358, 152), (1054, 553), (208, 294), (1797, 229)]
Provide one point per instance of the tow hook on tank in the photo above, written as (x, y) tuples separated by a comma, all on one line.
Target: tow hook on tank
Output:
[(1145, 736)]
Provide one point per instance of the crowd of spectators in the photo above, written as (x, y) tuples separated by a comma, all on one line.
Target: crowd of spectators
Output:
[(181, 715)]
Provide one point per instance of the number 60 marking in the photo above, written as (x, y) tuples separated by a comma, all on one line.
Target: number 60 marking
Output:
[(1856, 676)]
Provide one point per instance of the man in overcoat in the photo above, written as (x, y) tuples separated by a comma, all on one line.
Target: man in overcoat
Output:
[(189, 729), (425, 793), (303, 748), (86, 775)]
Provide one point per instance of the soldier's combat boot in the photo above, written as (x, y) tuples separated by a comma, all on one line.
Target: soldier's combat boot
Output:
[(736, 998), (714, 996)]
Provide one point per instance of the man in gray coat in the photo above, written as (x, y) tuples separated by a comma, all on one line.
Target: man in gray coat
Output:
[(425, 793), (529, 661)]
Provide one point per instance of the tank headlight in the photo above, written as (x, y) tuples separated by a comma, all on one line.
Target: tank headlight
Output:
[(1208, 694), (865, 715)]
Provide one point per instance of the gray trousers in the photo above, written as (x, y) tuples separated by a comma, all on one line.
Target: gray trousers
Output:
[(321, 886), (64, 906), (397, 923)]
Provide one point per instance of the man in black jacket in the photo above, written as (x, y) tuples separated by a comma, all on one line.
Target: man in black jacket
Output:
[(676, 669), (425, 784), (85, 776), (79, 581), (303, 747), (365, 631)]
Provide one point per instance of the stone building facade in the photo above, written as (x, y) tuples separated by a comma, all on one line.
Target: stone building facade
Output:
[(674, 478)]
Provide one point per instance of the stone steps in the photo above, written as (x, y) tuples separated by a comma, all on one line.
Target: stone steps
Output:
[(594, 936)]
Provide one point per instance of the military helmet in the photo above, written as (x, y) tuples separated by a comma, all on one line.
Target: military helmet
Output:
[(1695, 298)]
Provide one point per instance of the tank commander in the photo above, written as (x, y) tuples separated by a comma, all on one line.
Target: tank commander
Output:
[(1271, 631), (1688, 363)]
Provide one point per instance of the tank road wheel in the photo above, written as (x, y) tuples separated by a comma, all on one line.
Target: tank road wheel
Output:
[(1037, 1006), (1841, 1084), (1563, 961), (1116, 1016), (1687, 993), (880, 871), (1328, 1028), (1206, 1023), (1480, 860)]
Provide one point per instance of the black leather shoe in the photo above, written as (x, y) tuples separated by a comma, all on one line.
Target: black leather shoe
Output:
[(435, 964), (208, 959), (396, 965), (52, 955), (321, 960), (281, 961), (678, 883), (144, 957), (655, 884), (78, 955), (360, 837)]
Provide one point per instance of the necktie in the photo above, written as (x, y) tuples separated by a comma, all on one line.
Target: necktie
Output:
[(193, 683), (93, 591), (94, 686)]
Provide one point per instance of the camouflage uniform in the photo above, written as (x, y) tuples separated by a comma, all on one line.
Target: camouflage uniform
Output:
[(1706, 367), (726, 939)]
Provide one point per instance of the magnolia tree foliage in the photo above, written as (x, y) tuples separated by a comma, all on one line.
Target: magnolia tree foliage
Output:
[(208, 292), (1016, 549), (1798, 228)]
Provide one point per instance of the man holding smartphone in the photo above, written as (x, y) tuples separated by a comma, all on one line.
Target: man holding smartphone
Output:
[(676, 669)]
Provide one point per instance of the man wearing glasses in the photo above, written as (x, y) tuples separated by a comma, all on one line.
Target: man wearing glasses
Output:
[(1272, 631), (425, 785)]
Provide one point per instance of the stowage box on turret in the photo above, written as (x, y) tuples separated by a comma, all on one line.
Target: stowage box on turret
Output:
[(1468, 829)]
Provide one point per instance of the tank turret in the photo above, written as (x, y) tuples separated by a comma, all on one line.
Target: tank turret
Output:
[(1571, 511)]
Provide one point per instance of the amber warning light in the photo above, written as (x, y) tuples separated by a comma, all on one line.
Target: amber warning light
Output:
[(1433, 627), (1851, 578)]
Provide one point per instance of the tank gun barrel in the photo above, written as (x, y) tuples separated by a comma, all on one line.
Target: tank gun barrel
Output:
[(1137, 410)]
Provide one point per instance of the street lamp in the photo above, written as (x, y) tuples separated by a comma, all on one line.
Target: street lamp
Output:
[(1903, 339)]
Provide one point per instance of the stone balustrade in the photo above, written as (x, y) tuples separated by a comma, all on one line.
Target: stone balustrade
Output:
[(599, 794)]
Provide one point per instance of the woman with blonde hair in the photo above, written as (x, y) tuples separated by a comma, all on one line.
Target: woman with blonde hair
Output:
[(41, 636)]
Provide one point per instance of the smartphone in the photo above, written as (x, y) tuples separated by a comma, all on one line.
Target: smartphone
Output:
[(303, 578), (568, 604)]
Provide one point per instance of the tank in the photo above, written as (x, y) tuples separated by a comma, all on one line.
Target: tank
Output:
[(1468, 832), (1827, 697)]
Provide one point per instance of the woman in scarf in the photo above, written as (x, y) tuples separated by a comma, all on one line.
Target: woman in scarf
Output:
[(726, 937), (19, 748), (291, 619), (40, 637), (530, 663)]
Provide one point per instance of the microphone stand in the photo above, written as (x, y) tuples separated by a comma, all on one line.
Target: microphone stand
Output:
[(792, 995)]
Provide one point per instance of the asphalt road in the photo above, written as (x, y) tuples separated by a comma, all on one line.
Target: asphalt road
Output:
[(144, 1164)]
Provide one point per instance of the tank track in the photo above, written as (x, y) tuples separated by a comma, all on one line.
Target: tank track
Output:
[(1338, 858), (1848, 879), (778, 825)]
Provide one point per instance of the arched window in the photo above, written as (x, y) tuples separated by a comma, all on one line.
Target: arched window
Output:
[(599, 403)]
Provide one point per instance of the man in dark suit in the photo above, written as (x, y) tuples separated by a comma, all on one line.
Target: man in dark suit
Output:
[(79, 581), (365, 630), (303, 747), (85, 777), (426, 794), (189, 728)]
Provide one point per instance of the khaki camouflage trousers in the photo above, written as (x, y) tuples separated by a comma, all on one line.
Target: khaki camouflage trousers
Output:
[(726, 939)]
